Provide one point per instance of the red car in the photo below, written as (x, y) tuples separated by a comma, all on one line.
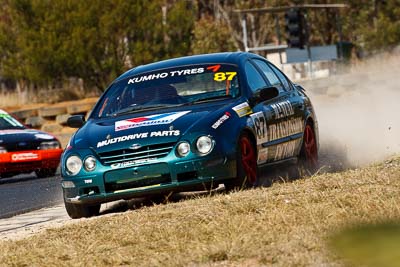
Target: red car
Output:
[(24, 150)]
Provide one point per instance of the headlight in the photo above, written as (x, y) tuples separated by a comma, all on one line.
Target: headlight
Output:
[(49, 145), (183, 149), (204, 144), (90, 163), (3, 150), (73, 165)]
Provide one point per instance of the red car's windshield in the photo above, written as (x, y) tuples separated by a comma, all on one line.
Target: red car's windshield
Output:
[(169, 87), (7, 122)]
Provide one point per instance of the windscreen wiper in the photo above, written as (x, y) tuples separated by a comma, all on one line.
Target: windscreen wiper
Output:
[(138, 108), (209, 99)]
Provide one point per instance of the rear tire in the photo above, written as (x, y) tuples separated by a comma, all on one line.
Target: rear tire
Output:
[(76, 211), (308, 157), (246, 162)]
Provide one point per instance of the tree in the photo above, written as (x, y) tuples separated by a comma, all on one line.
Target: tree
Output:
[(46, 42), (212, 36)]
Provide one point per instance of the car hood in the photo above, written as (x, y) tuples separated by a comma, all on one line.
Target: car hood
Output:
[(23, 139), (144, 128)]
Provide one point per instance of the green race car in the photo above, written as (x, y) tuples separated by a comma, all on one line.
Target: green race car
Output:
[(187, 124)]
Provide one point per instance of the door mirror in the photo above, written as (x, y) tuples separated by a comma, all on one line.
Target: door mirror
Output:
[(76, 121), (299, 87), (268, 93)]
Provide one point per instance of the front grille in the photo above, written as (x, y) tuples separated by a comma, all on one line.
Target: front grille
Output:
[(149, 152), (22, 146)]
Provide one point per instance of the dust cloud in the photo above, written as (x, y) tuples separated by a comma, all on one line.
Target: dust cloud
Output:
[(359, 113)]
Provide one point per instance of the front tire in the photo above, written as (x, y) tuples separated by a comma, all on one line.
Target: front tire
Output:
[(76, 211), (246, 162)]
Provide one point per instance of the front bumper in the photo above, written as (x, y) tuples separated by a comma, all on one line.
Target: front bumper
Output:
[(28, 161), (148, 179)]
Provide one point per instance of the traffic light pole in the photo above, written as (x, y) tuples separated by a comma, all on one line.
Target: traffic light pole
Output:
[(297, 40), (310, 69), (244, 28)]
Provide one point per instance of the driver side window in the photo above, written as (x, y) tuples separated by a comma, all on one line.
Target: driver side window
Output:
[(254, 78), (269, 73)]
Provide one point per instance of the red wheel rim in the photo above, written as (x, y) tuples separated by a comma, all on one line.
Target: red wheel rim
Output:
[(310, 146), (249, 161)]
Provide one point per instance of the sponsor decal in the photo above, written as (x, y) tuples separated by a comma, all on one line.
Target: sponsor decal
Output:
[(221, 120), (285, 128), (24, 156), (260, 126), (214, 68), (221, 76), (224, 76), (286, 150), (135, 136), (242, 109), (122, 139), (282, 109), (163, 75), (151, 120), (130, 163), (165, 133), (10, 120), (262, 155)]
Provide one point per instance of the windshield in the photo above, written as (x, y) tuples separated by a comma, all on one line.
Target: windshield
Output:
[(8, 122), (187, 85)]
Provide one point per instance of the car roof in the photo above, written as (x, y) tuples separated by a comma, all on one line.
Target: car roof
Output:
[(225, 57)]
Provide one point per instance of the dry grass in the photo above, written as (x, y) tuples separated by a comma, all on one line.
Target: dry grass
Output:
[(284, 225)]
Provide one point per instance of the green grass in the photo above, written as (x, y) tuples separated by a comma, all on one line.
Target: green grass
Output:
[(370, 244), (288, 224)]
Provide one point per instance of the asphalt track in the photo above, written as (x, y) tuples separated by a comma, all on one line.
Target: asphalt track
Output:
[(24, 193)]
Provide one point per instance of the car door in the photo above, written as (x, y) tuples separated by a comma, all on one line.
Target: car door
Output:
[(262, 116), (286, 127), (299, 104)]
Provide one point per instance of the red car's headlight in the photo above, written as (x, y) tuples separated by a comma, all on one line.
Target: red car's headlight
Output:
[(3, 150)]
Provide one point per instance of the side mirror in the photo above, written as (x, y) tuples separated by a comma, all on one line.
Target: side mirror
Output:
[(299, 87), (76, 121), (268, 93)]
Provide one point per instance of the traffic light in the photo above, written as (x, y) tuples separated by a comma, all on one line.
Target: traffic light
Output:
[(295, 28)]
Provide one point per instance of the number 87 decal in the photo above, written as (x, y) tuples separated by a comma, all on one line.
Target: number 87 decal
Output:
[(221, 76), (260, 126)]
